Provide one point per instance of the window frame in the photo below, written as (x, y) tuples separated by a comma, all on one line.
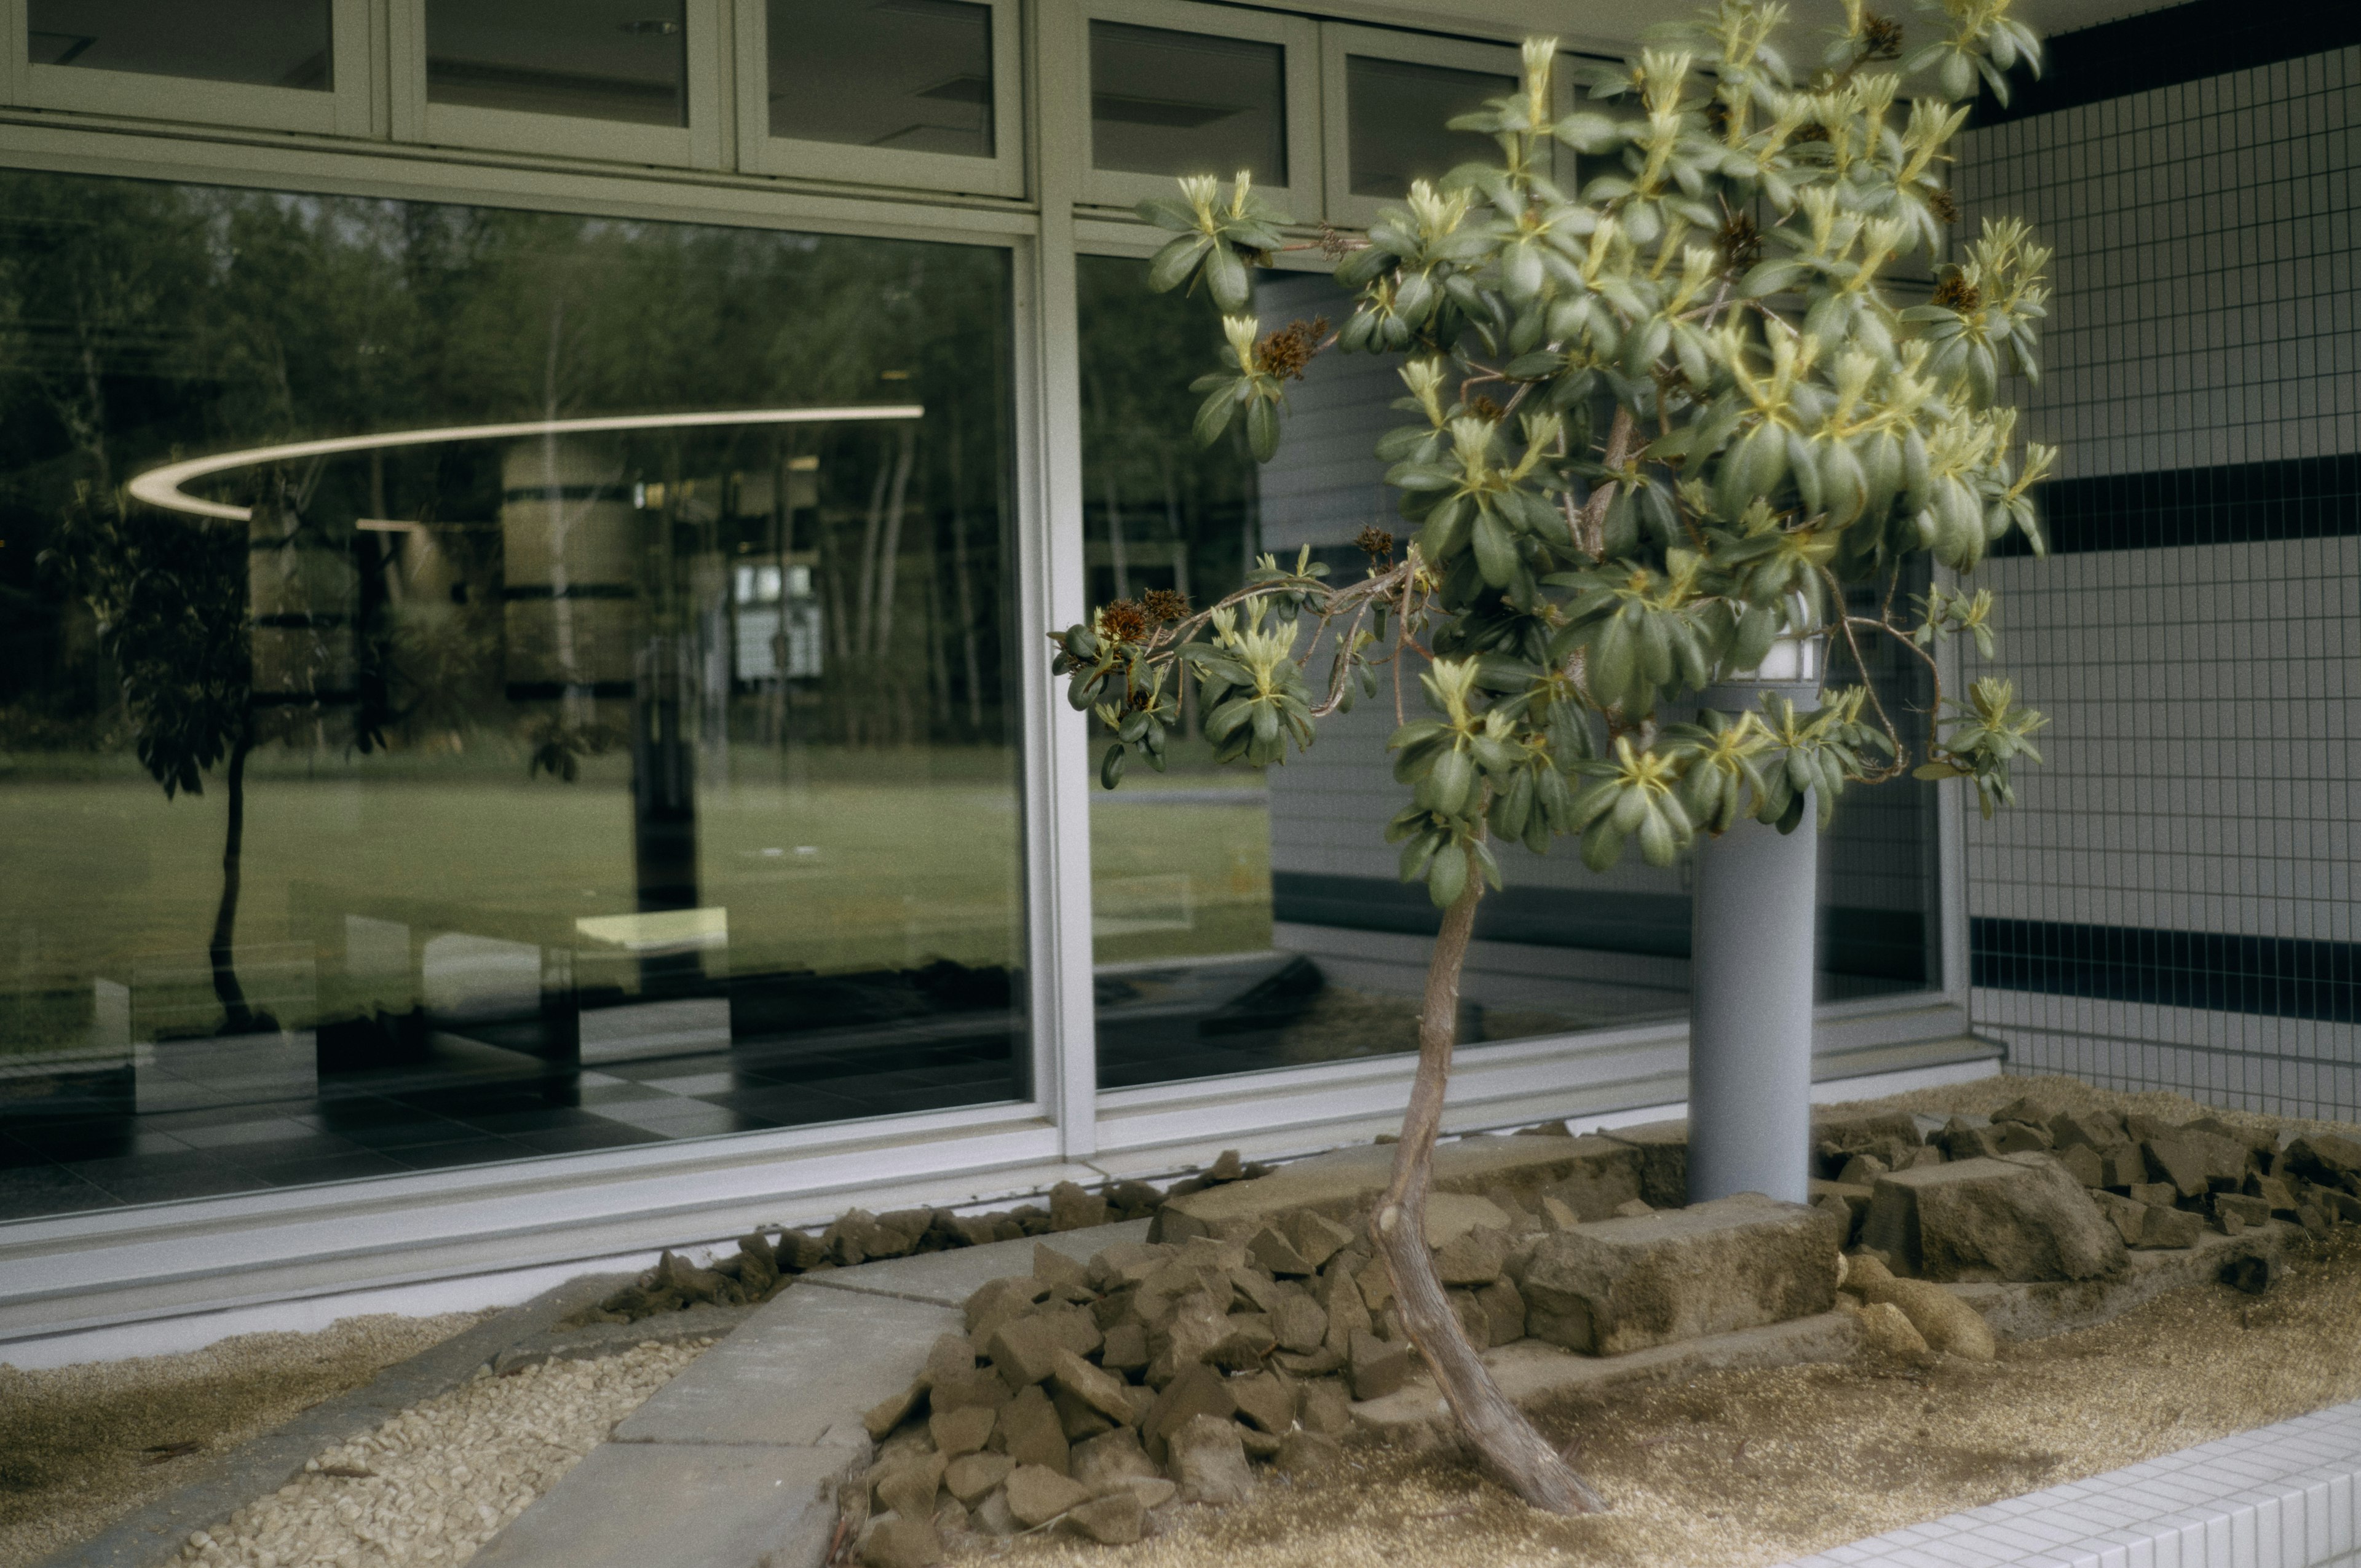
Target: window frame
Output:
[(1001, 174), (1298, 39), (1339, 40), (344, 109), (699, 144)]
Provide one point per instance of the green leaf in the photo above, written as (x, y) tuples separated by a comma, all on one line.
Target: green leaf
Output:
[(1171, 267), (1446, 877), (1262, 429), (1111, 767)]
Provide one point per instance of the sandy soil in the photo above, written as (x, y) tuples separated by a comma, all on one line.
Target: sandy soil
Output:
[(1745, 1468), (82, 1445)]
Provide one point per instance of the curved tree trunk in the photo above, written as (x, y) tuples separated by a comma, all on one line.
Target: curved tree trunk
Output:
[(1498, 1430), (236, 1017)]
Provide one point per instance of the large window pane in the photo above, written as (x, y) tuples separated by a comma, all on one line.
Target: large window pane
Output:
[(910, 74), (1249, 919), (270, 43), (1395, 115), (575, 787), (1172, 103), (599, 59)]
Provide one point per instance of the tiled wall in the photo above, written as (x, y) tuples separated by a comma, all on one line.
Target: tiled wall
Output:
[(2172, 906)]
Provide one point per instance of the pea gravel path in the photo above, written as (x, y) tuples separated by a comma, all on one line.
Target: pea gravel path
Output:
[(433, 1484)]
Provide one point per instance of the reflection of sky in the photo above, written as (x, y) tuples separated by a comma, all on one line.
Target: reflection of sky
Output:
[(161, 487)]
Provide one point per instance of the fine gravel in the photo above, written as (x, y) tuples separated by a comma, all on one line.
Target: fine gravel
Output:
[(434, 1483), (82, 1445)]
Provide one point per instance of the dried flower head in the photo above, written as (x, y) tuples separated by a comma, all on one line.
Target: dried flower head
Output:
[(1956, 292), (1944, 205), (1484, 408), (1740, 242), (1376, 543), (1881, 37), (1285, 352), (1163, 605), (1139, 701), (1124, 622), (1336, 245), (1809, 131)]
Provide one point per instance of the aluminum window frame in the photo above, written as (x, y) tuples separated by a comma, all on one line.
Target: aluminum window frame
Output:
[(346, 108), (1338, 42), (1299, 41), (703, 143), (1001, 174)]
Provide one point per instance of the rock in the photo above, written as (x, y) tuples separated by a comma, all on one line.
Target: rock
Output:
[(2341, 1207), (2171, 1228), (1195, 1390), (2158, 1194), (971, 1475), (902, 1543), (1101, 1391), (2123, 1166), (1854, 1198), (950, 1355), (1030, 1432), (1961, 1139), (1266, 1399), (963, 1431), (2017, 1218), (1058, 1271), (2253, 1273), (1126, 1263), (1273, 1252), (2178, 1162), (1633, 1209), (976, 1386), (1504, 1312), (1254, 1291), (1126, 1348), (1862, 1170), (1315, 1239), (1559, 1216), (1451, 1215), (2082, 1163), (1024, 1350), (1942, 1320), (1210, 1462), (1324, 1408), (907, 1487), (992, 1516), (1857, 1130), (1078, 1419), (1473, 1257), (1000, 1300), (1348, 1313), (1308, 1453), (1114, 1520), (1377, 1284), (883, 1416), (1110, 1459), (1661, 1154), (1378, 1366), (2276, 1192), (2021, 1137), (1071, 1209), (1036, 1496), (950, 1518), (2127, 1215), (2323, 1158), (2093, 1130), (1886, 1329), (1626, 1283), (1298, 1324), (1546, 1130), (2251, 1212)]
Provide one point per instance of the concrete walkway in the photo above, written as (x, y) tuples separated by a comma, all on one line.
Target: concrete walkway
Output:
[(736, 1462)]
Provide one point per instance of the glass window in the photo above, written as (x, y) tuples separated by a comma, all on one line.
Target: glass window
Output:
[(1172, 103), (1247, 919), (1395, 111), (269, 43), (478, 784), (599, 59), (910, 74)]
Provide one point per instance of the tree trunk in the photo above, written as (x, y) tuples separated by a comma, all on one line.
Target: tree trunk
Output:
[(236, 1017), (1501, 1436)]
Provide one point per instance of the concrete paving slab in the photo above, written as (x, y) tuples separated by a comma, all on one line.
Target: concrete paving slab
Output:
[(627, 1505), (949, 1278), (800, 1371)]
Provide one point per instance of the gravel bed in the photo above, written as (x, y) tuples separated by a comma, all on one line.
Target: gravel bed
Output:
[(434, 1483)]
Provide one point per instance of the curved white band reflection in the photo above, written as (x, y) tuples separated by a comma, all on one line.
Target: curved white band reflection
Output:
[(161, 487)]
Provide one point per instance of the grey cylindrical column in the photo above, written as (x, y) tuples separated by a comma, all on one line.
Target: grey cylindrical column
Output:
[(1751, 956)]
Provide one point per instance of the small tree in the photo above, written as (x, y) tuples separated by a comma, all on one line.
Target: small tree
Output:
[(1781, 428)]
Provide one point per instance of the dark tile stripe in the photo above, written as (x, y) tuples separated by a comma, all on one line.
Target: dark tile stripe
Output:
[(2294, 498), (2282, 977), (2180, 43)]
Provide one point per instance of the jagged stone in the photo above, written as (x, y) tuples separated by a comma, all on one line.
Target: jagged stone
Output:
[(1623, 1284), (1265, 1399), (2081, 1162), (1077, 1418), (1114, 1520), (1378, 1366), (1504, 1312), (1298, 1324), (1888, 1329), (908, 1487), (1055, 1269), (1024, 1350), (2093, 1130), (1071, 1209), (1326, 1408), (1038, 1494), (885, 1416), (2128, 1215), (1942, 1320), (977, 1386), (1474, 1256), (999, 1300), (1259, 1292), (1126, 1263), (2170, 1228), (971, 1475), (961, 1432), (1209, 1462), (1101, 1391), (1558, 1213), (1315, 1238), (2324, 1158), (1126, 1348), (1109, 1459), (1195, 1390), (902, 1543), (2019, 1217), (1030, 1432), (1274, 1253)]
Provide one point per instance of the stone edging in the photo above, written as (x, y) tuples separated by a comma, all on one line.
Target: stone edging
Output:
[(2278, 1496), (153, 1533)]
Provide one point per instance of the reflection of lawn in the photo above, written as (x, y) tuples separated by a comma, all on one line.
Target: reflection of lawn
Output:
[(857, 861)]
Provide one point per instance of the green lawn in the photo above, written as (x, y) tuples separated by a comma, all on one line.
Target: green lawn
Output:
[(853, 859)]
